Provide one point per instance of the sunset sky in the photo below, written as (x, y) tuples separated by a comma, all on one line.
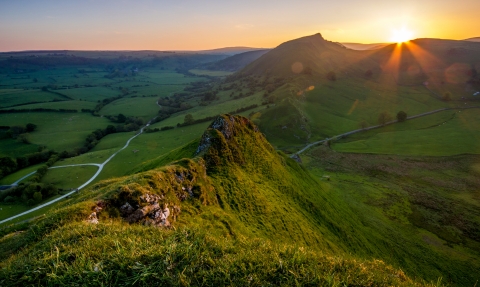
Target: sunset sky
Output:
[(196, 25)]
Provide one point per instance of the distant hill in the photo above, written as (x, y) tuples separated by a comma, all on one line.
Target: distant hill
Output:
[(317, 56), (359, 46), (310, 99), (307, 55), (230, 51), (236, 62), (475, 39)]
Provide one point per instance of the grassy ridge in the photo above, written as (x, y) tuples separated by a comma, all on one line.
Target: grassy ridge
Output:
[(239, 210)]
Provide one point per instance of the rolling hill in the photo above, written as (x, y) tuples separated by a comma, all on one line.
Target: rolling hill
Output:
[(242, 212), (402, 210), (307, 55), (332, 89), (235, 62), (474, 39), (229, 51)]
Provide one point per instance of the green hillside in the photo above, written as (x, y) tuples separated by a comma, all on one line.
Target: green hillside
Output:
[(310, 55), (330, 90), (241, 213)]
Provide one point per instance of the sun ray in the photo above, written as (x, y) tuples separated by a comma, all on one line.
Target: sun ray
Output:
[(402, 35)]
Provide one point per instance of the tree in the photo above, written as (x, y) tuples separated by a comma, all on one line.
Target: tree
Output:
[(7, 164), (188, 119), (121, 118), (31, 127), (331, 76), (110, 129), (401, 116), (37, 197), (384, 118)]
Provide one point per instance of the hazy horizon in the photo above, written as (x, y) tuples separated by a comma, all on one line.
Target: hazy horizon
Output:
[(191, 26)]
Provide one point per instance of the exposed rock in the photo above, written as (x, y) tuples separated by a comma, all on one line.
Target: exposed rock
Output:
[(225, 124), (126, 209), (92, 218), (150, 198), (139, 214)]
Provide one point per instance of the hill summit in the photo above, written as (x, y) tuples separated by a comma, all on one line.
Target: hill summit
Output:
[(307, 55), (238, 214)]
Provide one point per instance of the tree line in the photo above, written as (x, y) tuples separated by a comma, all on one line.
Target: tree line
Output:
[(11, 111)]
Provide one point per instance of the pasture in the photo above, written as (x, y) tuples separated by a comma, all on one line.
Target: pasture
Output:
[(210, 73), (91, 94), (69, 177), (16, 97), (449, 133), (142, 107), (68, 105), (57, 131)]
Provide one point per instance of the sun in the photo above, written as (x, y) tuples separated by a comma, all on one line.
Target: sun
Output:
[(401, 35)]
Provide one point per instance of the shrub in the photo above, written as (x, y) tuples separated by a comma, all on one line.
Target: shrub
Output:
[(401, 116)]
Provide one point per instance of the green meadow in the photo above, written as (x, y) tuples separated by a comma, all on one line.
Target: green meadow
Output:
[(448, 133), (145, 108), (68, 105), (210, 73), (91, 94), (57, 131), (69, 177), (15, 97)]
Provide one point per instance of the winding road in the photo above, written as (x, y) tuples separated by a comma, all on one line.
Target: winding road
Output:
[(100, 168)]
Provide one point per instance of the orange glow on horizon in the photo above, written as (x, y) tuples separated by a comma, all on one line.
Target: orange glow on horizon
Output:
[(402, 35)]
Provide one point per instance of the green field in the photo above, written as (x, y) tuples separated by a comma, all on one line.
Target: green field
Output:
[(210, 73), (11, 178), (13, 97), (69, 177), (149, 146), (69, 105), (446, 134), (145, 108), (162, 77), (11, 147), (58, 131), (92, 94)]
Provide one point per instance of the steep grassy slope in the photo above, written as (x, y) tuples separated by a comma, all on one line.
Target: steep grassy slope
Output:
[(426, 205), (243, 214)]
